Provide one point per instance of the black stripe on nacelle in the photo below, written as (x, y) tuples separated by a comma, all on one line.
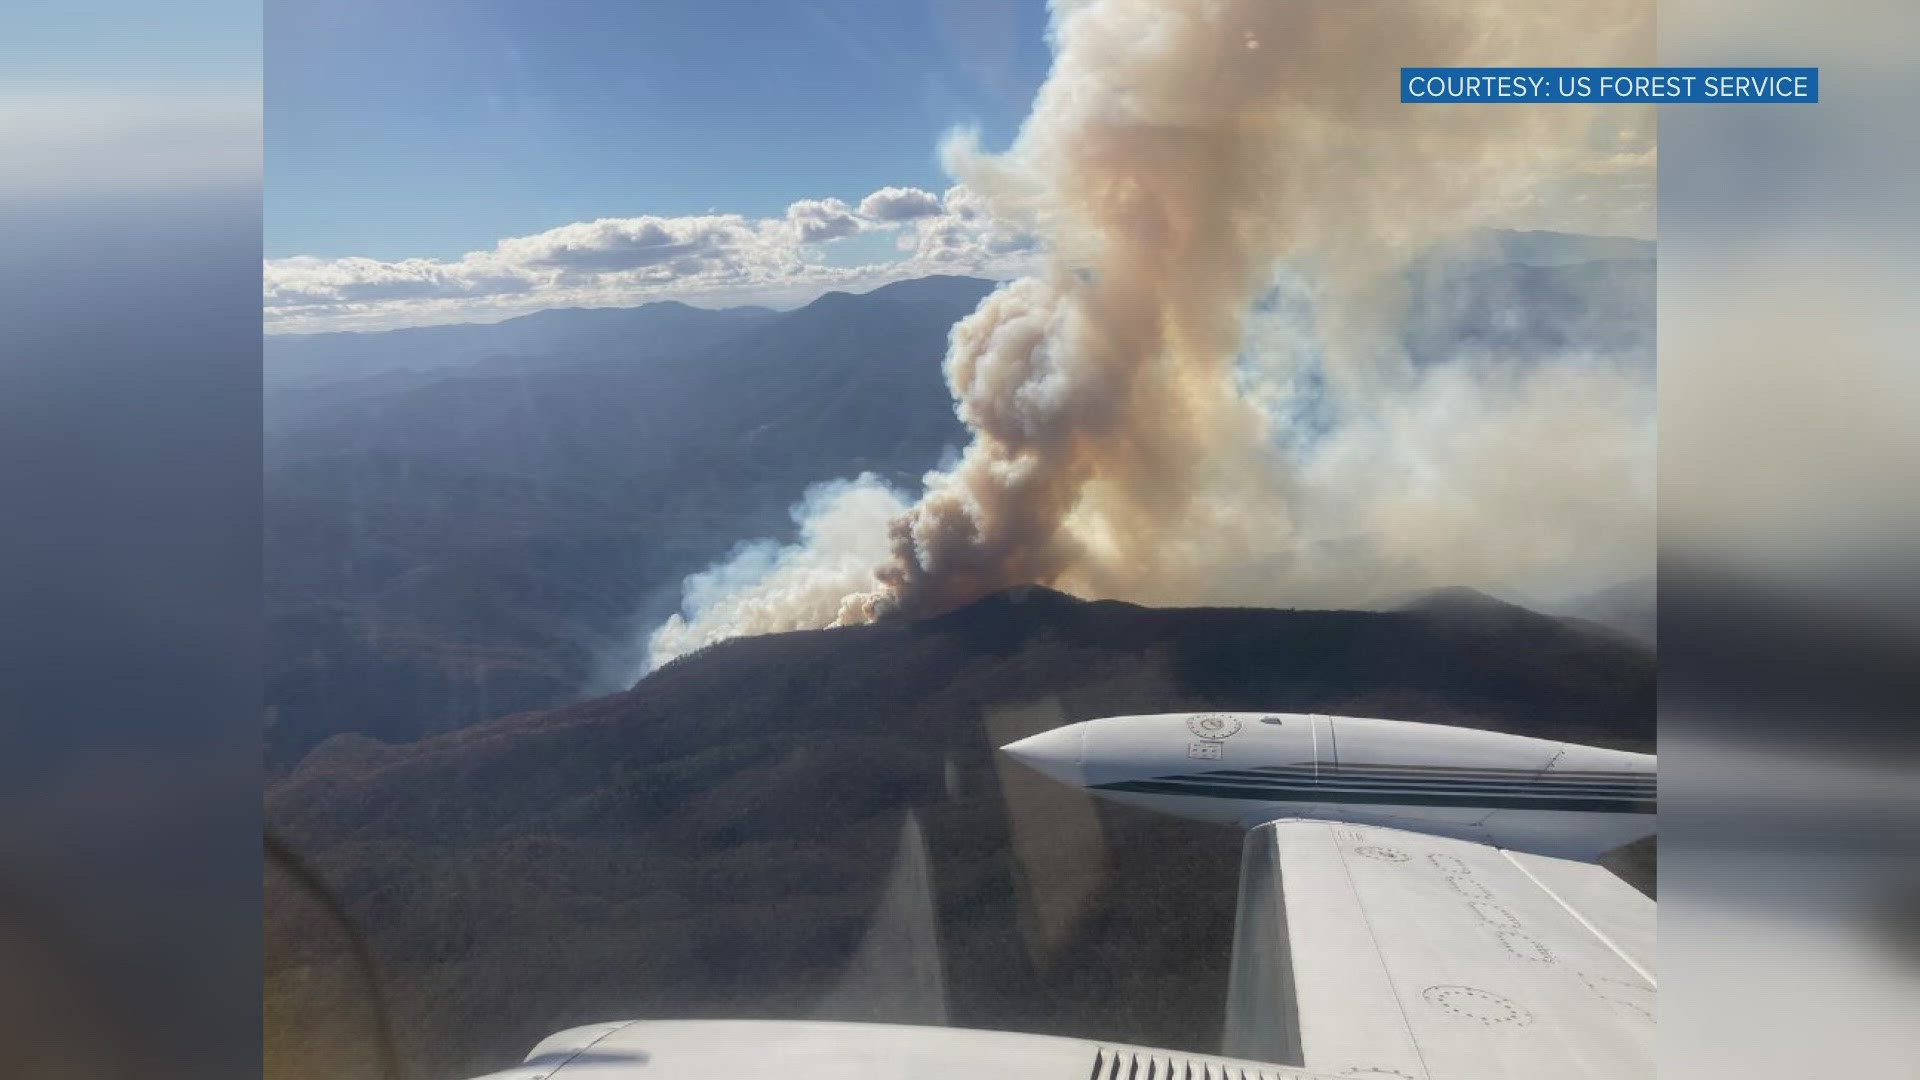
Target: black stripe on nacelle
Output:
[(1480, 794), (1251, 779), (1427, 772), (1373, 797), (1458, 770)]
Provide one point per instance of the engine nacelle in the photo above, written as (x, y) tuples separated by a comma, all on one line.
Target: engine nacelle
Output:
[(1510, 791)]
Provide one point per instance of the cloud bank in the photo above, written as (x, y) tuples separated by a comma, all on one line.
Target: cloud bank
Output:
[(725, 257)]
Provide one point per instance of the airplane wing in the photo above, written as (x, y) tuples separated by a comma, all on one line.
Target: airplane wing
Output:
[(1359, 952), (1402, 914), (818, 1050), (1372, 952)]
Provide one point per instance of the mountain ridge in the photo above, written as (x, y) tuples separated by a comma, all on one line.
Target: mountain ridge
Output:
[(713, 840), (496, 534), (479, 540)]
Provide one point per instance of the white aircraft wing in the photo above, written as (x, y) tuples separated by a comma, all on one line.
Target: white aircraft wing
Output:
[(1401, 915), (1371, 952), (817, 1050)]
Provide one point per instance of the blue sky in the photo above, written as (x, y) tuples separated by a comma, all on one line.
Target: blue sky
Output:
[(431, 128), (433, 161)]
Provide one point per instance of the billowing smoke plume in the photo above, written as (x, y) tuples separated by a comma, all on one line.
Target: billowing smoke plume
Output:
[(765, 587), (1163, 414)]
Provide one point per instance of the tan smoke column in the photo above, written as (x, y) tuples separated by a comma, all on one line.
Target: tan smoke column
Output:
[(1179, 151), (1175, 153)]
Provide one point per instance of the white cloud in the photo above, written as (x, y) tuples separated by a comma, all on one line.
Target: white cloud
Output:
[(304, 280), (607, 261), (683, 245), (899, 204), (966, 234), (720, 258), (815, 220)]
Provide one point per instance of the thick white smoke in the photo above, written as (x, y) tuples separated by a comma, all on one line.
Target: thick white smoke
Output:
[(1143, 428), (765, 587)]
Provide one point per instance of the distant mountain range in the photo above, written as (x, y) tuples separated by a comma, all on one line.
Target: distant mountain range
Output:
[(659, 328), (468, 521), (746, 831)]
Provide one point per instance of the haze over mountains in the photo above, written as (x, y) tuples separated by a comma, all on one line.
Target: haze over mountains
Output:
[(664, 327), (478, 537), (469, 521)]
